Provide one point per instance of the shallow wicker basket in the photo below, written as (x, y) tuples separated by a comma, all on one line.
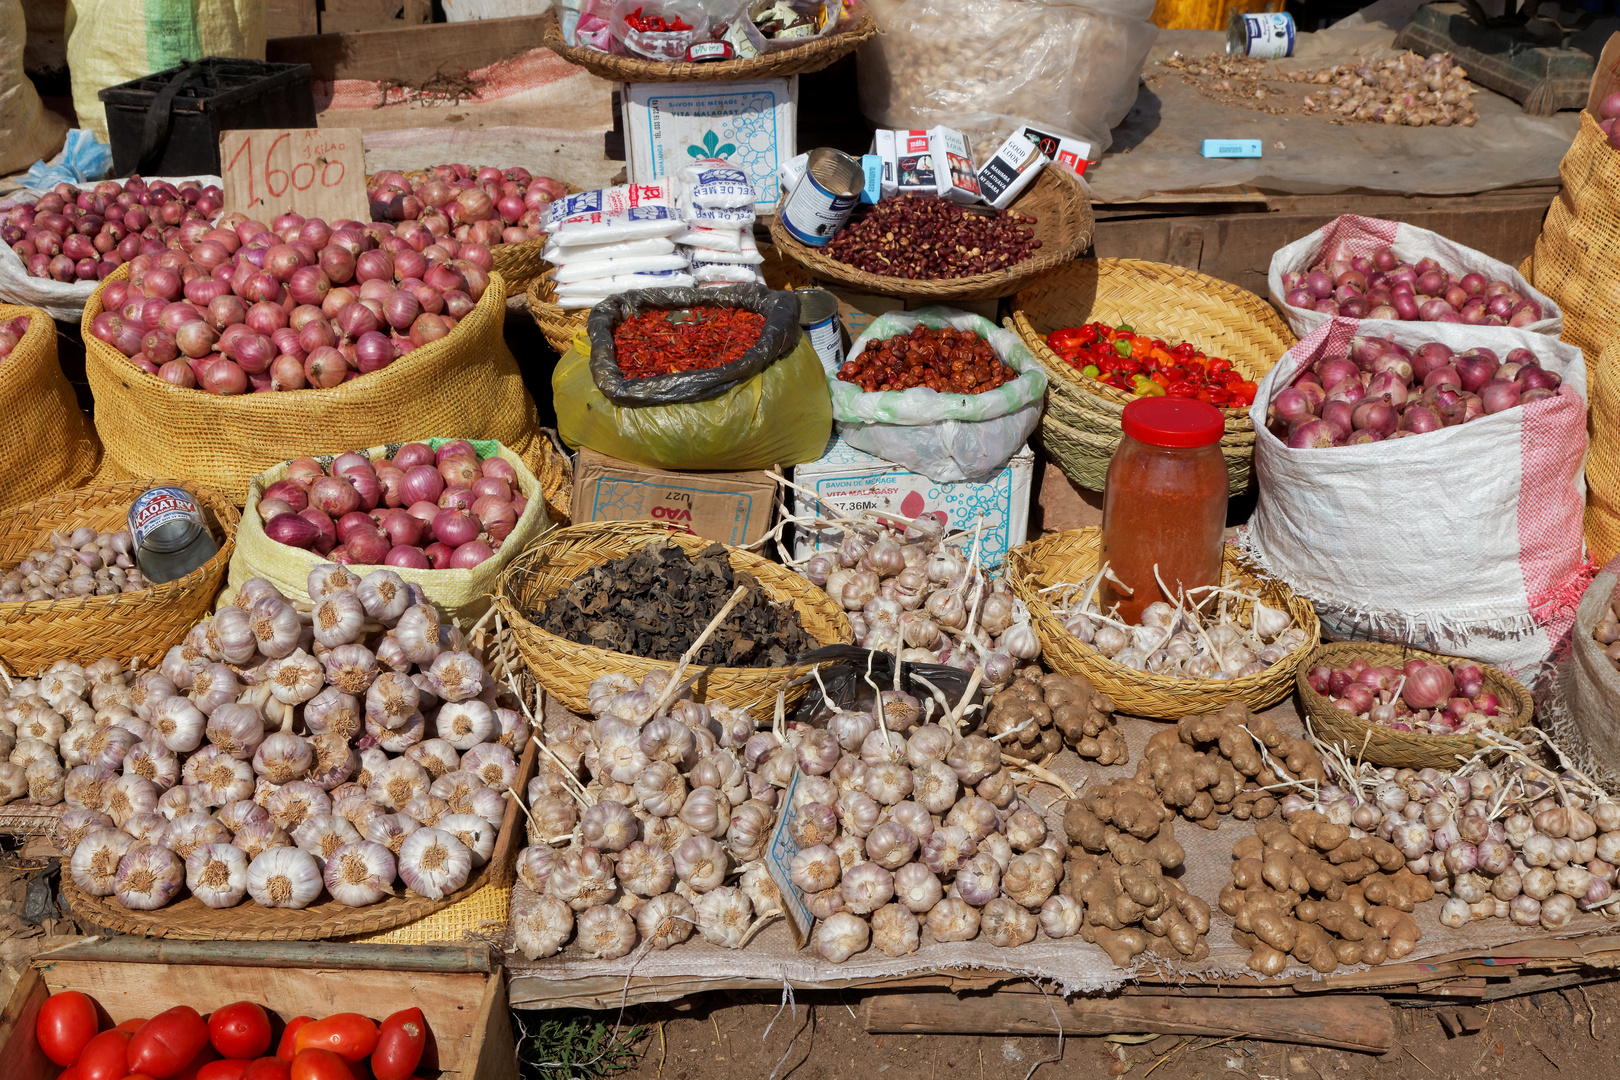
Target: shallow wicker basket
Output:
[(1071, 557), (1402, 749), (1063, 225), (802, 59), (560, 325), (189, 919), (1081, 426), (567, 669), (138, 626)]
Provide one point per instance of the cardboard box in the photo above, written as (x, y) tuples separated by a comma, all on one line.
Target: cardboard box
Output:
[(731, 507), (749, 123), (851, 480)]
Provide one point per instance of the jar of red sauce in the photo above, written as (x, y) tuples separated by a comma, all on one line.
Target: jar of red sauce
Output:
[(1164, 503)]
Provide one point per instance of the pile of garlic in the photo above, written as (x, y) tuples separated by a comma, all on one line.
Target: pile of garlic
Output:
[(907, 832), (918, 593), (278, 754), (1187, 641)]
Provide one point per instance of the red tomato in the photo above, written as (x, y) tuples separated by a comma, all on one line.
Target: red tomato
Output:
[(224, 1069), (349, 1035), (400, 1042), (206, 1055), (168, 1042), (132, 1025), (69, 1073), (268, 1068), (284, 1049), (240, 1030), (318, 1064), (66, 1022), (104, 1057)]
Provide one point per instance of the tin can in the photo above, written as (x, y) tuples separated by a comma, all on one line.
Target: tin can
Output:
[(171, 538), (818, 315), (1264, 35), (821, 203)]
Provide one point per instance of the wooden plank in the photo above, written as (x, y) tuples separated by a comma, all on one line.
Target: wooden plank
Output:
[(410, 53), (343, 16), (290, 18), (20, 1056), (497, 1056), (1346, 1022), (1185, 247), (293, 954)]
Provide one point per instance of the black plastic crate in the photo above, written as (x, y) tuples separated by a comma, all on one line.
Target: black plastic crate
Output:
[(168, 123)]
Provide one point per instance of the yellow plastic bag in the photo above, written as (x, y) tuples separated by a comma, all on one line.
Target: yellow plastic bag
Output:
[(781, 416)]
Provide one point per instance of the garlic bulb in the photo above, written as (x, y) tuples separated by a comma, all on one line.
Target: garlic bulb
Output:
[(216, 874), (723, 916), (187, 832), (493, 764), (702, 863), (979, 880), (761, 891), (327, 578), (398, 740), (179, 725), (322, 834), (749, 831), (1005, 924), (465, 724), (815, 869), (813, 824), (433, 863), (107, 747), (234, 816), (1025, 829), (148, 877), (350, 669), (335, 761), (474, 832), (605, 932), (291, 804), (841, 936), (359, 873), (436, 756), (707, 811), (338, 618), (147, 828), (418, 634), (390, 830), (46, 782), (644, 870), (888, 783), (895, 930), (866, 887), (1029, 880), (953, 919), (283, 757), (541, 929), (85, 786), (392, 700), (284, 877), (456, 676), (295, 678), (948, 849), (235, 729), (257, 837), (217, 777), (977, 816), (384, 595), (666, 834), (660, 789), (665, 920), (934, 786), (75, 825), (608, 826), (427, 809), (335, 712), (94, 861), (397, 783), (1061, 915), (13, 782), (534, 866)]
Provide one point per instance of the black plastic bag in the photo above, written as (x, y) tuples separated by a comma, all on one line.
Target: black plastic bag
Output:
[(780, 336), (845, 680)]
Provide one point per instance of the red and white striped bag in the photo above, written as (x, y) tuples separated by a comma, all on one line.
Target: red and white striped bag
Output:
[(1464, 541), (1352, 236)]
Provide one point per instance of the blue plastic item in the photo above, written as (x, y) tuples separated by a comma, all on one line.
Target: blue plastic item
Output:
[(84, 157)]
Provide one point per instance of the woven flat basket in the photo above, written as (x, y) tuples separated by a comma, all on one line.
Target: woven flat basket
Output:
[(560, 325), (1401, 749), (1063, 225), (1170, 303), (1071, 558), (800, 60), (139, 626), (566, 669), (190, 919)]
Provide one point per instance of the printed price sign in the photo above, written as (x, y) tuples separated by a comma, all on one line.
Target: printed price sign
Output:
[(316, 172), (778, 856)]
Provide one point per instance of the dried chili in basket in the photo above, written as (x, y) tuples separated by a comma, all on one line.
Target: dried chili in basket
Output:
[(688, 339)]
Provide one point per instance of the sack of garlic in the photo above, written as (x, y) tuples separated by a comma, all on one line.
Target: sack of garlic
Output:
[(652, 819), (355, 751), (924, 596)]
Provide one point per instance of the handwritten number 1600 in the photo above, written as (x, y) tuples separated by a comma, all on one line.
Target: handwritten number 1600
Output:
[(276, 181)]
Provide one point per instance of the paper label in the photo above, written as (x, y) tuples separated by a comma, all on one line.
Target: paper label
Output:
[(778, 859)]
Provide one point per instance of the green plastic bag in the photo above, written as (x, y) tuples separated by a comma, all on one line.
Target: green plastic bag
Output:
[(782, 416)]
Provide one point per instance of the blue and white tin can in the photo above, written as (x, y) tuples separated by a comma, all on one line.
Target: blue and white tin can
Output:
[(821, 202), (1264, 35)]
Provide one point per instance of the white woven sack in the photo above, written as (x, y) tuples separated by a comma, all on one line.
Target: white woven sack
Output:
[(1464, 541), (1362, 236), (64, 300)]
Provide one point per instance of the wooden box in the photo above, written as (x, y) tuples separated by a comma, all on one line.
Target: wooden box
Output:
[(460, 991)]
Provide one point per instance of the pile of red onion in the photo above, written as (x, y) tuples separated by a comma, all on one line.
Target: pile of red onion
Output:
[(424, 509), (1609, 112), (485, 206), (11, 333), (72, 234), (1382, 390), (1384, 287), (1423, 695), (299, 304)]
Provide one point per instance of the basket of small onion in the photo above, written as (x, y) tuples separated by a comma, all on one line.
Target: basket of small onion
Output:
[(1399, 707)]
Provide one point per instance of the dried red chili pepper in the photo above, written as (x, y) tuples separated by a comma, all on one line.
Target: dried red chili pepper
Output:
[(688, 339)]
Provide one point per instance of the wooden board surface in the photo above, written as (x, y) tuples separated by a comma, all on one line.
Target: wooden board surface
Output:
[(410, 53), (1347, 1022), (20, 1055)]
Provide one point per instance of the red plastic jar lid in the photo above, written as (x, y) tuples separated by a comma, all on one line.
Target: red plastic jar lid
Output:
[(1180, 423)]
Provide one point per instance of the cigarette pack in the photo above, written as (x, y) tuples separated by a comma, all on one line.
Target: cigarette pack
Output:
[(1015, 164), (886, 149), (1073, 153), (938, 161)]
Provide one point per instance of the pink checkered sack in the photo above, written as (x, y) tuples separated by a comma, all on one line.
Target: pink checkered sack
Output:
[(1464, 541)]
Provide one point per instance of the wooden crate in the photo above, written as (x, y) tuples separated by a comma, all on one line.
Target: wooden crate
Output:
[(461, 992)]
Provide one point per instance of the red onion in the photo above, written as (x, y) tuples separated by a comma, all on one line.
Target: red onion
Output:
[(203, 291), (455, 528), (338, 262), (334, 496), (498, 519), (455, 448), (501, 469), (355, 319), (422, 483), (254, 352), (402, 528), (1419, 419), (367, 486), (470, 555), (459, 471), (325, 367), (407, 557), (1312, 434), (374, 264), (223, 376), (390, 477), (309, 285), (345, 463), (489, 485), (196, 339), (177, 373), (315, 333), (401, 309), (519, 504), (456, 498), (293, 530), (367, 545), (305, 471), (159, 346), (410, 455), (1499, 395), (440, 555), (1533, 377), (373, 352), (290, 492), (269, 508), (327, 538)]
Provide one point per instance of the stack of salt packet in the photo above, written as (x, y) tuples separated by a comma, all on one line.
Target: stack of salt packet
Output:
[(716, 202), (609, 240)]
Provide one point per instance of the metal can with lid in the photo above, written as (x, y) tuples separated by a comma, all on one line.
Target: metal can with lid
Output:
[(820, 204), (818, 315), (171, 537), (1262, 35)]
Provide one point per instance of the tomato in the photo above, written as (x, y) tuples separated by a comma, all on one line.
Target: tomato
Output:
[(268, 1068), (132, 1025), (240, 1030), (284, 1049), (104, 1057), (168, 1042), (225, 1069), (66, 1022), (318, 1064), (400, 1042), (69, 1073), (349, 1035), (205, 1056)]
